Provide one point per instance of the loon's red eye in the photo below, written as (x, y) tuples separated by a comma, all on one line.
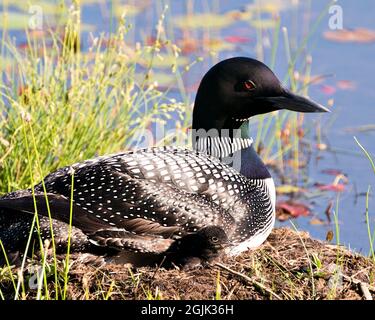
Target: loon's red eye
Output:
[(249, 85)]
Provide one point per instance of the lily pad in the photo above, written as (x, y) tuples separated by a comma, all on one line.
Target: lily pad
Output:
[(237, 39), (339, 187), (360, 35), (271, 6), (316, 222), (288, 189), (327, 89), (204, 20), (346, 85), (239, 15), (218, 45), (264, 23)]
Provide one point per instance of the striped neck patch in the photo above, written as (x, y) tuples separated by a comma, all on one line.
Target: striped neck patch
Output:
[(221, 147)]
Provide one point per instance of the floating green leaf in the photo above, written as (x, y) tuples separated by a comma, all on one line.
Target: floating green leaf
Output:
[(264, 23), (204, 20), (287, 189), (271, 6)]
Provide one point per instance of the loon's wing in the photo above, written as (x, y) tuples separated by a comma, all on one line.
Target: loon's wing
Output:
[(99, 232), (58, 207), (121, 239), (165, 190)]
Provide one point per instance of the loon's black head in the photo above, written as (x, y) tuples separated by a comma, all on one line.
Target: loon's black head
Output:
[(236, 89)]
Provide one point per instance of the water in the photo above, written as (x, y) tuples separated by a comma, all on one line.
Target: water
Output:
[(345, 61), (352, 109)]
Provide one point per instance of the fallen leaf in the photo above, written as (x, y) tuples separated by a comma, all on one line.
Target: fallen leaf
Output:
[(331, 187), (237, 39), (360, 35), (218, 45), (316, 221), (288, 189), (328, 90), (346, 85), (264, 23), (290, 209), (329, 236), (203, 20), (271, 6), (240, 15)]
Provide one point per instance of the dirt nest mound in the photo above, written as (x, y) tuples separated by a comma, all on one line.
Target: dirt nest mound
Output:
[(289, 265)]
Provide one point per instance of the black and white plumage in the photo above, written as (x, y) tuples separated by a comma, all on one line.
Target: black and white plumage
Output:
[(158, 193), (144, 201)]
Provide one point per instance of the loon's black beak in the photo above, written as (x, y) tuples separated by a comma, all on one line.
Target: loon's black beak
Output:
[(291, 101)]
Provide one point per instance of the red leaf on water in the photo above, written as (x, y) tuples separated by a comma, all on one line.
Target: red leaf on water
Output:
[(360, 35), (316, 221), (328, 90), (237, 39), (291, 209), (346, 85), (331, 187)]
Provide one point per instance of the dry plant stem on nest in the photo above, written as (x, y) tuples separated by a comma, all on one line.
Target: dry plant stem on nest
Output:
[(257, 284), (365, 290)]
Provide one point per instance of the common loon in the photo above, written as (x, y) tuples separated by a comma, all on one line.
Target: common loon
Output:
[(146, 201)]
